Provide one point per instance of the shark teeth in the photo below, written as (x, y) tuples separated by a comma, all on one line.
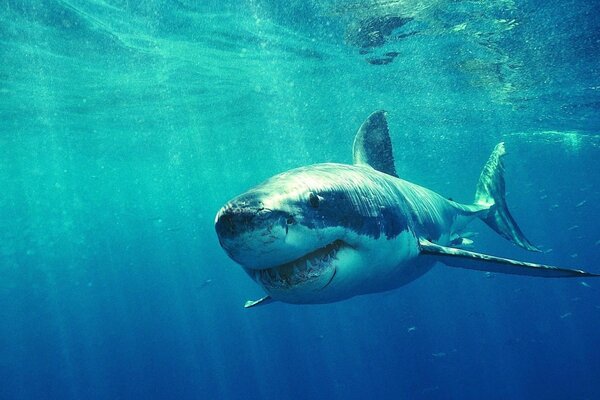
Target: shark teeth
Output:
[(306, 268)]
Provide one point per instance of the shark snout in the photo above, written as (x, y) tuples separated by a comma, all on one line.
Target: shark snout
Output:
[(231, 222), (234, 221), (253, 235)]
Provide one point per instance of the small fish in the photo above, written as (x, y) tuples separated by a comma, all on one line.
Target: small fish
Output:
[(585, 284), (439, 355), (566, 315), (574, 255), (205, 284), (466, 242), (548, 250), (543, 197), (412, 329), (430, 389), (489, 275), (572, 228), (581, 203)]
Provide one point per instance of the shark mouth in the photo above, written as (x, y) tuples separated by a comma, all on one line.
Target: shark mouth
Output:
[(308, 268)]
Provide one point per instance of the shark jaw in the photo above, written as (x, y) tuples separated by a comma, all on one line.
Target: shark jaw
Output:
[(312, 272)]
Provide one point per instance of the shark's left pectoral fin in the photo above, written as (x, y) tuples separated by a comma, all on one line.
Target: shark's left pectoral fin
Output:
[(482, 262), (260, 302)]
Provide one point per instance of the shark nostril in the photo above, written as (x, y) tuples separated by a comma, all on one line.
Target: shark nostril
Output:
[(234, 221)]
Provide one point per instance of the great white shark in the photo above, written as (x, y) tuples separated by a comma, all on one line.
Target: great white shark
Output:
[(327, 232)]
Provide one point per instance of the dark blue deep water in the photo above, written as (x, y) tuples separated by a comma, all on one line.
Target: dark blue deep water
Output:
[(125, 125)]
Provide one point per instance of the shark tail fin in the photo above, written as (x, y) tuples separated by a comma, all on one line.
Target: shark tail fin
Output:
[(490, 194)]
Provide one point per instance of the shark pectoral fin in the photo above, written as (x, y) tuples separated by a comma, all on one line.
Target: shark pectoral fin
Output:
[(373, 146), (260, 302), (483, 262)]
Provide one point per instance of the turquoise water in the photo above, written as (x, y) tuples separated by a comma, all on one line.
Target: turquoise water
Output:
[(124, 126)]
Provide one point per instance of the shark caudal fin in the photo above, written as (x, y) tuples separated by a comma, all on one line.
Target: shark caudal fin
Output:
[(490, 194)]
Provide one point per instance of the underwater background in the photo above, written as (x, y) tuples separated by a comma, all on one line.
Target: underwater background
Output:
[(125, 126)]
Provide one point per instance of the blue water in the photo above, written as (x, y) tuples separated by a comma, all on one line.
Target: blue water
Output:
[(125, 125)]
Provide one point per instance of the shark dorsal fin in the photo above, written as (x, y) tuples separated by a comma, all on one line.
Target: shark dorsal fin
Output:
[(373, 146)]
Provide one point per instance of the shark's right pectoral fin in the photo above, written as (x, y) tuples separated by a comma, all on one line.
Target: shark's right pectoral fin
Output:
[(482, 262), (260, 302)]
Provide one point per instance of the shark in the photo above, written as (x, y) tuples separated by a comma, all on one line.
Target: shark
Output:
[(328, 232)]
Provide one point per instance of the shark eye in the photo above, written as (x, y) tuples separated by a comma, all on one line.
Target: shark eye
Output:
[(290, 220), (313, 200)]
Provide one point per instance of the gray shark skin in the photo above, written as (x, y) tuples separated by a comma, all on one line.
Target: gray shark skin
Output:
[(327, 232)]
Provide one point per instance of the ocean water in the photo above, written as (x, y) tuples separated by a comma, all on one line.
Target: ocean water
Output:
[(124, 126)]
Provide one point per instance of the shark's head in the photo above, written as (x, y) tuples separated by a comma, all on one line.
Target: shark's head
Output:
[(302, 234)]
